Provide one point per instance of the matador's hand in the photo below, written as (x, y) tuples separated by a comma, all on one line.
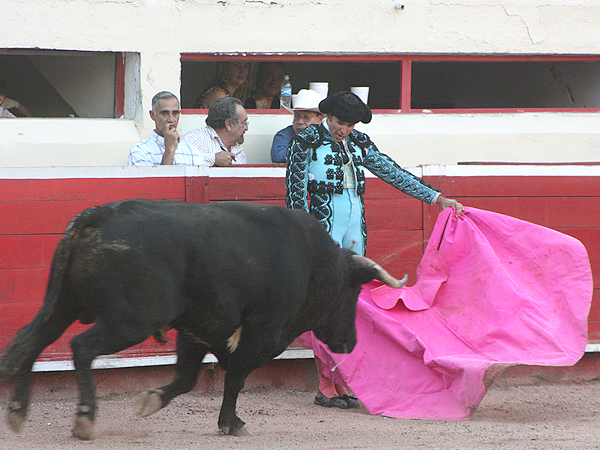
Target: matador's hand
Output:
[(448, 202)]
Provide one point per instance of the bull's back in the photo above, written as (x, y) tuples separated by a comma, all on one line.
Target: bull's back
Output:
[(212, 251), (223, 226)]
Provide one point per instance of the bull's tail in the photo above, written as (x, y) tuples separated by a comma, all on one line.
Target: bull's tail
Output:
[(22, 344)]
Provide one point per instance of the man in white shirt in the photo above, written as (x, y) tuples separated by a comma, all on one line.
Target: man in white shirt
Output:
[(9, 104), (164, 147), (219, 142), (4, 112)]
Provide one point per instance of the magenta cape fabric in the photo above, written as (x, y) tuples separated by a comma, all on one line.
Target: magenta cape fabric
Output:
[(491, 291)]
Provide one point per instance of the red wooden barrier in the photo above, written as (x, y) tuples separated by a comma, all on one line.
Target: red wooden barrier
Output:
[(35, 211)]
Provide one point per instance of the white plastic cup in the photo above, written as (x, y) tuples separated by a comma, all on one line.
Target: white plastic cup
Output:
[(362, 93), (321, 88)]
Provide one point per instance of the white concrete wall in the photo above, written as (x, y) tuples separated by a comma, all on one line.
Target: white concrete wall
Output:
[(416, 139), (160, 30), (65, 142), (412, 139)]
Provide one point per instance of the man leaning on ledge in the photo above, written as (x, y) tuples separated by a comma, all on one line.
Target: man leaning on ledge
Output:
[(220, 141), (207, 146)]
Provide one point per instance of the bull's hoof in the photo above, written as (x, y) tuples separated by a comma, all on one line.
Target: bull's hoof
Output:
[(148, 402), (15, 417), (84, 428), (241, 431)]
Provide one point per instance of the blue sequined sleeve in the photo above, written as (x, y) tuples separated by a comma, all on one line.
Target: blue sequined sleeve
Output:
[(384, 167), (296, 179)]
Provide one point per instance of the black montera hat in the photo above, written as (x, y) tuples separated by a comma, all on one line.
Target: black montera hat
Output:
[(346, 106)]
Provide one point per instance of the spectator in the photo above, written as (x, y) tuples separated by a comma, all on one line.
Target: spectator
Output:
[(306, 112), (164, 147), (9, 103), (268, 87), (219, 142), (231, 80), (4, 112)]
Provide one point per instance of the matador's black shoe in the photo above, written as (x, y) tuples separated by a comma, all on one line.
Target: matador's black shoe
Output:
[(335, 402), (352, 402)]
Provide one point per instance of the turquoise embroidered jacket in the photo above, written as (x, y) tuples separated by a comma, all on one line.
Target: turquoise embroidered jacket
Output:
[(315, 166)]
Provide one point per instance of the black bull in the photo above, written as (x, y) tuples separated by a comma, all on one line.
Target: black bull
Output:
[(239, 280)]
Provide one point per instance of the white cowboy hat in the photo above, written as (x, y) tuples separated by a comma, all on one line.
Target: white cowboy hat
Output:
[(307, 100)]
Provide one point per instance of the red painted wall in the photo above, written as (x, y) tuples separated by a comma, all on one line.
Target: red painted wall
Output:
[(35, 212)]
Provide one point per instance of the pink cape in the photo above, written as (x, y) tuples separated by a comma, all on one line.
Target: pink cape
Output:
[(491, 291)]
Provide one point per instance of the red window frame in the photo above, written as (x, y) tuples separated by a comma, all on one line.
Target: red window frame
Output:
[(119, 85), (405, 80)]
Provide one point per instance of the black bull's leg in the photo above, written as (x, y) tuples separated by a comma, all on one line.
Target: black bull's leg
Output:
[(229, 422), (238, 365), (258, 345), (19, 403), (44, 333), (189, 363), (98, 340)]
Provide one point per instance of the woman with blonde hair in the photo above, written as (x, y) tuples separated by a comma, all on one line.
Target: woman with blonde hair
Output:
[(232, 79)]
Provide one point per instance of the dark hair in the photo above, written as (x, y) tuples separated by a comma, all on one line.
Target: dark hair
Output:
[(263, 66), (161, 96), (223, 110), (220, 79)]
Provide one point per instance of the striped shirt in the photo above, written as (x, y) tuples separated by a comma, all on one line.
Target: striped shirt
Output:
[(208, 143), (9, 103), (150, 153), (6, 113)]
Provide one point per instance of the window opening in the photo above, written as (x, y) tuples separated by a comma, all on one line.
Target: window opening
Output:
[(505, 85), (417, 83), (383, 78), (65, 83)]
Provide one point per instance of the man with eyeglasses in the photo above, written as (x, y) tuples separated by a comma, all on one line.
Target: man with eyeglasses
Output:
[(306, 112), (219, 142)]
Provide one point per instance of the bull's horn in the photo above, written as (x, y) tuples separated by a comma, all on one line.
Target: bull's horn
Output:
[(383, 275)]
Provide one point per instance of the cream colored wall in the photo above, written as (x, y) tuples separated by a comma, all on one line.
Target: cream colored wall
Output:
[(160, 30), (65, 142), (411, 140), (447, 139)]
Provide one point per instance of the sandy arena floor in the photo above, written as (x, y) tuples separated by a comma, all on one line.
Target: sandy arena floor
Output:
[(543, 417)]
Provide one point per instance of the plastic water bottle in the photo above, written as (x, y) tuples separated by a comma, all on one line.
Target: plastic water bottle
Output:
[(286, 93)]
